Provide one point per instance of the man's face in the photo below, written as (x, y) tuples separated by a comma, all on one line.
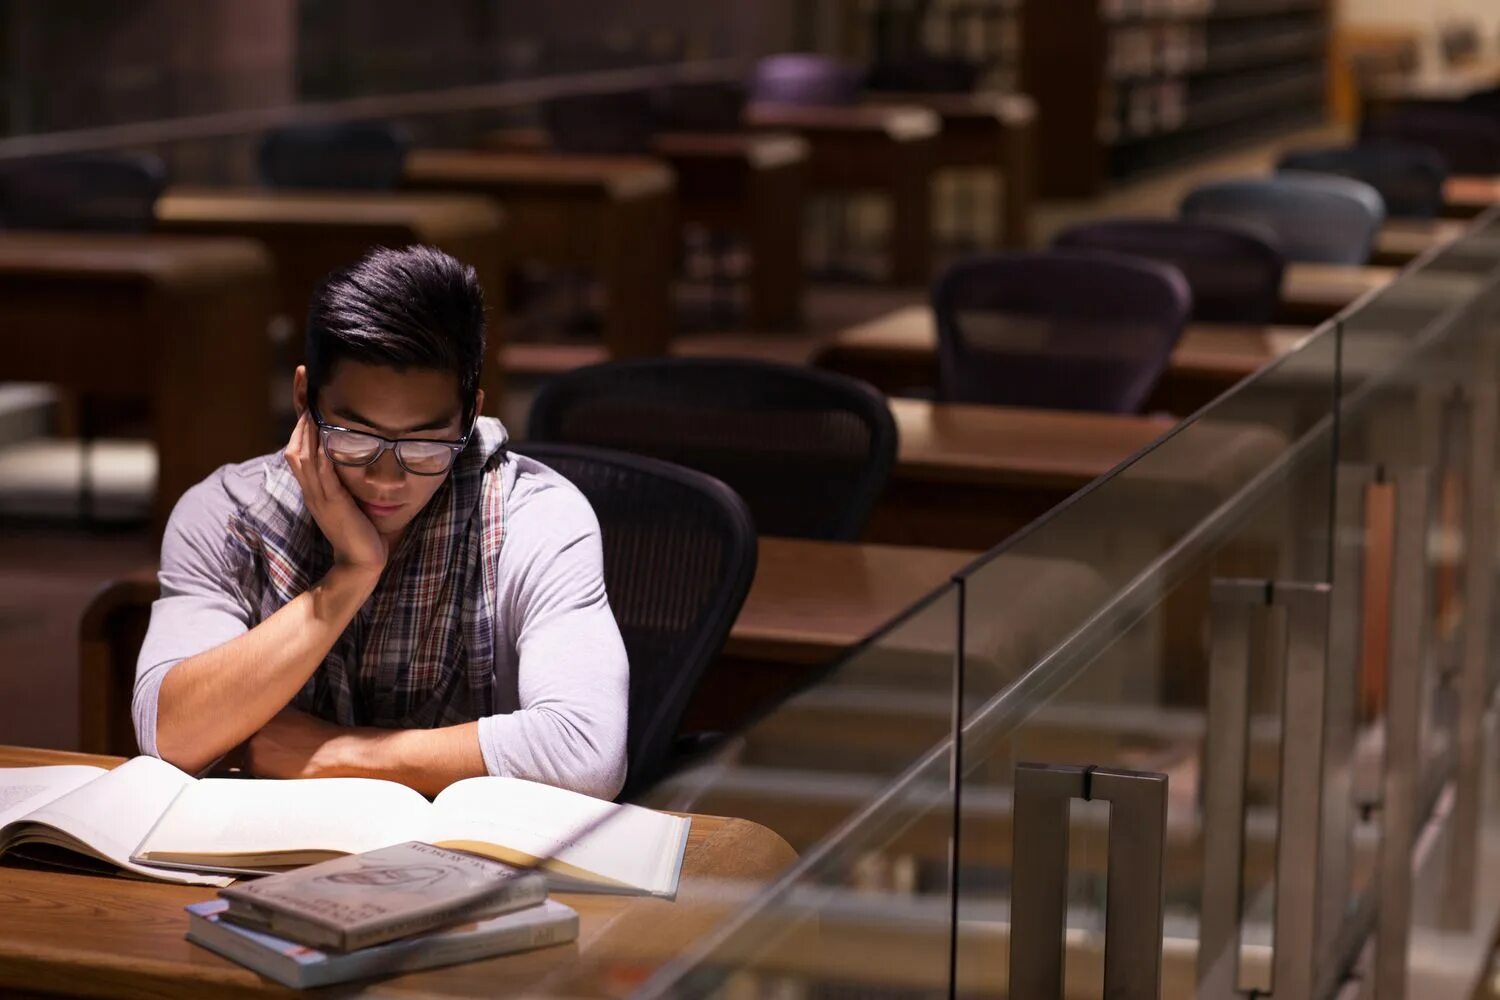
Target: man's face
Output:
[(394, 404)]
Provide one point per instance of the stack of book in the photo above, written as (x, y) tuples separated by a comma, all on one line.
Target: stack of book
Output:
[(397, 909)]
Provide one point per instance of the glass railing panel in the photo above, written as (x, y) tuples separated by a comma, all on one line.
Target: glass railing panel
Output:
[(854, 776)]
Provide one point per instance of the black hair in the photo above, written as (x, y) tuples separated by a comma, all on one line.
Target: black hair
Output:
[(415, 307)]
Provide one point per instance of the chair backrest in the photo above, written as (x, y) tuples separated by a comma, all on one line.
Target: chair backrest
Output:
[(109, 640), (94, 192), (808, 450), (1468, 141), (615, 123), (1072, 330), (1409, 178), (1234, 274), (679, 556), (713, 106), (366, 156), (804, 78), (1313, 217), (923, 74)]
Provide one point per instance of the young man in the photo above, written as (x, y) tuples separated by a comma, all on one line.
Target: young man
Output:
[(395, 594)]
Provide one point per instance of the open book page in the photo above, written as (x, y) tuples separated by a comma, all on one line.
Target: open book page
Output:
[(264, 822), (23, 789), (108, 816), (621, 848)]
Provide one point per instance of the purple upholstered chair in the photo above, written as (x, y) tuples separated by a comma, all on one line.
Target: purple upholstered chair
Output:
[(1234, 274), (1468, 141), (1067, 330), (92, 192), (1312, 217), (804, 78), (1409, 178)]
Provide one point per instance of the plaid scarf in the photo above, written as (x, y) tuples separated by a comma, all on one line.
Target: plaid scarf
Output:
[(420, 653)]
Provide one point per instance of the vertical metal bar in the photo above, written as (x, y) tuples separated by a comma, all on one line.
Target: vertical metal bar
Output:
[(1474, 682), (1294, 965), (1345, 626), (956, 785), (1134, 904), (1403, 726), (1039, 877), (1224, 765)]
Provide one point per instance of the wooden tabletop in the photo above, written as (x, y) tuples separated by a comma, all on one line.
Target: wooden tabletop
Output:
[(428, 216), (1008, 109), (98, 935), (1447, 83), (901, 123), (1310, 293), (180, 261), (1468, 196), (909, 336), (812, 600), (619, 177), (1401, 241)]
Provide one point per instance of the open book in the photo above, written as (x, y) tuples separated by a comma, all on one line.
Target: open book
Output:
[(68, 814), (583, 844), (154, 821)]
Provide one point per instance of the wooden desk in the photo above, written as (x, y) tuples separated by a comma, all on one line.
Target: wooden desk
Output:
[(180, 321), (864, 148), (752, 184), (616, 215), (1311, 293), (64, 933), (311, 233), (993, 131), (1466, 197), (1445, 85), (968, 476), (1401, 241), (746, 183), (898, 351)]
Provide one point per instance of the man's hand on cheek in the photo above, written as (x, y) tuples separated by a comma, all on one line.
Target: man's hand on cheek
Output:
[(297, 745), (355, 540)]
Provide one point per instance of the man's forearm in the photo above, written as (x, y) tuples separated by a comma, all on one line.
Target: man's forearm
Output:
[(428, 760), (212, 702)]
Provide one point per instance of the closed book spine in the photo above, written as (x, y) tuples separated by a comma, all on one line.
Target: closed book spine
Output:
[(368, 899), (301, 967)]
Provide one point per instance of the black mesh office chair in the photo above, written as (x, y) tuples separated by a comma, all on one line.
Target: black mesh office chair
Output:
[(679, 555), (366, 156), (808, 450), (1409, 178), (94, 192)]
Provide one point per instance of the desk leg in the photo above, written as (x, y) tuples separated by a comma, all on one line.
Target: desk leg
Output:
[(637, 269), (910, 191), (775, 237), (1018, 193)]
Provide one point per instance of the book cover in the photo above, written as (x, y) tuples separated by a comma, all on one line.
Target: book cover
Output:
[(301, 967), (366, 899)]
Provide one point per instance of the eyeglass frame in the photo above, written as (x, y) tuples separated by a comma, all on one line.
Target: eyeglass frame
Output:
[(388, 445)]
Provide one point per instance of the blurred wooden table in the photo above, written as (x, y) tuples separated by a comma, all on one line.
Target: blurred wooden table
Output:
[(995, 132), (898, 351), (750, 184), (615, 215), (312, 233), (178, 321), (1311, 293), (1466, 197), (889, 150), (1400, 241), (71, 934)]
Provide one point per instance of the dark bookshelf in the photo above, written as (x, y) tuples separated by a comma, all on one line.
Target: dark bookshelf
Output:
[(1126, 87)]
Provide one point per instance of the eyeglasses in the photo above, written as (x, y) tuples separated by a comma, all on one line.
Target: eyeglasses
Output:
[(419, 456)]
